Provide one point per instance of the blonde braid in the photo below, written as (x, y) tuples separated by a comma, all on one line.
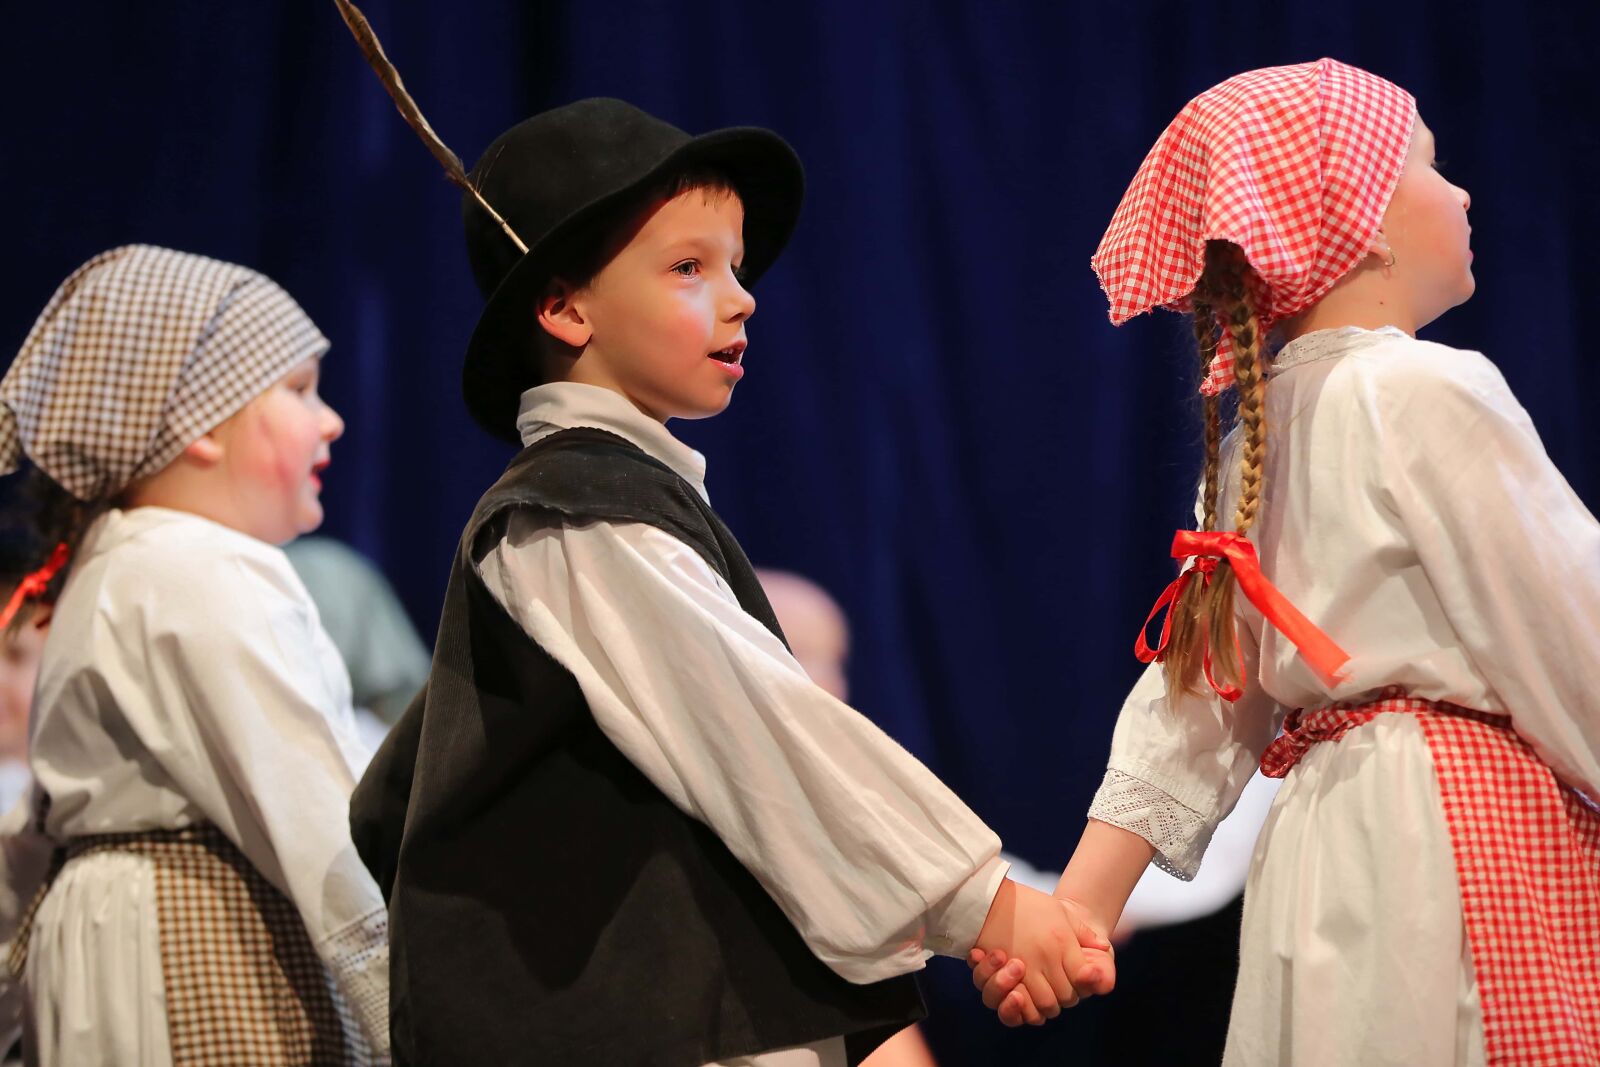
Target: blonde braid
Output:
[(1204, 614), (1249, 372), (1182, 662)]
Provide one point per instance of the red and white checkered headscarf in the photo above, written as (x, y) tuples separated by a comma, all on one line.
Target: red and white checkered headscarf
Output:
[(141, 351), (1295, 165)]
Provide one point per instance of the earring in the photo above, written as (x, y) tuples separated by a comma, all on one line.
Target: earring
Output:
[(1380, 247)]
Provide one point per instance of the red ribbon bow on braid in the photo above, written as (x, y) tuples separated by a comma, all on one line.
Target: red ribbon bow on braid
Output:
[(1206, 547), (34, 584)]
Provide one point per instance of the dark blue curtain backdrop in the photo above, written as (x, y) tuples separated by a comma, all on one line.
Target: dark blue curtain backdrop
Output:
[(938, 423)]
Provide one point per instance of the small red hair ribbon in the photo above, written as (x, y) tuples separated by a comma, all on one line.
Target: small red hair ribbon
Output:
[(1206, 547), (34, 584)]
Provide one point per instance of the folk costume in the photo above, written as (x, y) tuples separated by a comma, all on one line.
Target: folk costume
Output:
[(1426, 890), (621, 825), (192, 741)]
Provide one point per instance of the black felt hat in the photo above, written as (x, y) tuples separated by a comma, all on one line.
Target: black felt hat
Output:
[(552, 175)]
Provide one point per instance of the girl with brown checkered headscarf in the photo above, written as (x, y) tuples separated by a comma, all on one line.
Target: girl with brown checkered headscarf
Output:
[(192, 744), (1418, 608)]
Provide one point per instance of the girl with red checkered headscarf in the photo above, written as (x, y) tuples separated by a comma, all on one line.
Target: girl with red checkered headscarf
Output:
[(1388, 568), (180, 887)]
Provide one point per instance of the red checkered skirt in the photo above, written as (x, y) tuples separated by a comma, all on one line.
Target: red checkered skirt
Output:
[(1527, 852), (243, 983)]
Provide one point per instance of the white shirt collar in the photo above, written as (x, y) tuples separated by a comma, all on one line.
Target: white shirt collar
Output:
[(545, 409), (118, 525), (1326, 344)]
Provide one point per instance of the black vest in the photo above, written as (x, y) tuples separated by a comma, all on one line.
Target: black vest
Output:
[(548, 905)]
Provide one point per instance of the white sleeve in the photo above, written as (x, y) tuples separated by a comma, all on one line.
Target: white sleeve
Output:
[(1510, 550), (1177, 770), (875, 862), (245, 727)]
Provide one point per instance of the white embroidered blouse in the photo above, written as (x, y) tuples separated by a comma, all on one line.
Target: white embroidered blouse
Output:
[(187, 678), (1411, 512)]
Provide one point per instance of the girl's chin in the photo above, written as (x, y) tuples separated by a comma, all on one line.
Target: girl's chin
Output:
[(308, 518)]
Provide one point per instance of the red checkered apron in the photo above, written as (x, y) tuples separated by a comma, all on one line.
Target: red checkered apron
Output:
[(1527, 853)]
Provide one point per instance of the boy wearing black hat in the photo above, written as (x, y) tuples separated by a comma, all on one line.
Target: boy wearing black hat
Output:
[(621, 826)]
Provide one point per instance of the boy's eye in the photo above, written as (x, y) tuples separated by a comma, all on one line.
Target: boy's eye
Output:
[(1438, 165), (739, 274), (688, 268)]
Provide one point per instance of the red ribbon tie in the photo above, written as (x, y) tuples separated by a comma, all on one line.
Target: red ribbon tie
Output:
[(1206, 548), (34, 584)]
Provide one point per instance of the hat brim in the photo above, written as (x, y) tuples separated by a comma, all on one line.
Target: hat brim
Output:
[(504, 350)]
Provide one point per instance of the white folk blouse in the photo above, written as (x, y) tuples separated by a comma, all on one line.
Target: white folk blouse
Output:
[(1411, 512), (187, 679), (873, 859)]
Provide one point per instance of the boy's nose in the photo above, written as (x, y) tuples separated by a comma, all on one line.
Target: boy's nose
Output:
[(743, 304)]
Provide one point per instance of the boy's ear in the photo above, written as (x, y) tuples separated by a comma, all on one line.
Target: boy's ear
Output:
[(561, 318)]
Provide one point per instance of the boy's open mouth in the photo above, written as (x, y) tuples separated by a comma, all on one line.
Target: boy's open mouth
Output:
[(732, 354)]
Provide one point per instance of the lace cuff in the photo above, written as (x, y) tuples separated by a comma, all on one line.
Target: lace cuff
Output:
[(357, 957), (1178, 833)]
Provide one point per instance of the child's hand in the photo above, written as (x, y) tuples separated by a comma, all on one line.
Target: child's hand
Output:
[(1043, 940), (997, 977), (1001, 978)]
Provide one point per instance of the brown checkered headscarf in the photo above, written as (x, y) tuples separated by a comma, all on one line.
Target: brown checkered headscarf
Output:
[(141, 351)]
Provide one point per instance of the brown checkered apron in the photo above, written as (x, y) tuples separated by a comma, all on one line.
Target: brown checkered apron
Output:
[(243, 983), (1527, 853)]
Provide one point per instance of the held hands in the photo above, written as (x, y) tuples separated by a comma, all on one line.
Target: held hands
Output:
[(1038, 954)]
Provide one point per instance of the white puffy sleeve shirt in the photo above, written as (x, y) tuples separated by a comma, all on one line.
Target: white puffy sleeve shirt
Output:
[(875, 862), (187, 678), (1412, 513)]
